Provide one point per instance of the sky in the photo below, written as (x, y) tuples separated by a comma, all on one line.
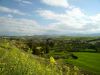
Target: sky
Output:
[(49, 17)]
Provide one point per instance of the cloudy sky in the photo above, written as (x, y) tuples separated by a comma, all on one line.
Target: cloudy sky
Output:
[(40, 17)]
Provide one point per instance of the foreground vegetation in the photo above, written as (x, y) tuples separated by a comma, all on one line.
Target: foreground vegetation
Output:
[(14, 61), (49, 56)]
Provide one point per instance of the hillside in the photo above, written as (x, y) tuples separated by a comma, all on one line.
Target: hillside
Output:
[(14, 61)]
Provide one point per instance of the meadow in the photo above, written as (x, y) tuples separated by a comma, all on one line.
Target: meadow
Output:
[(89, 62)]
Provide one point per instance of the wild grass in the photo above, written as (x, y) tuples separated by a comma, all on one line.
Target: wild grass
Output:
[(14, 61)]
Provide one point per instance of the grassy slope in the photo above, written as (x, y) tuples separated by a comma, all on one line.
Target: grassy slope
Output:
[(14, 61), (87, 61)]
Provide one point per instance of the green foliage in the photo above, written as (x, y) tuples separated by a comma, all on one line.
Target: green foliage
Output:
[(90, 62), (30, 51), (14, 61), (16, 56), (59, 55)]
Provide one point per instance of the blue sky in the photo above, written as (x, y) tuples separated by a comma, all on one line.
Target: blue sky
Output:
[(40, 17)]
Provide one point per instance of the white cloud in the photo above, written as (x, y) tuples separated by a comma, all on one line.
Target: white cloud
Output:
[(46, 14), (73, 20), (12, 11), (95, 18), (27, 2), (24, 1), (26, 26), (57, 3), (19, 22), (10, 16), (23, 27)]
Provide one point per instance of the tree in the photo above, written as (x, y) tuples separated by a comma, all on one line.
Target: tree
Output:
[(97, 46)]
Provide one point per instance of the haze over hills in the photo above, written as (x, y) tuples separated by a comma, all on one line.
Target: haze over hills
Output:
[(70, 34)]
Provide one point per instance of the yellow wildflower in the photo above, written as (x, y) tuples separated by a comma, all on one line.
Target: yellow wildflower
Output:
[(52, 60)]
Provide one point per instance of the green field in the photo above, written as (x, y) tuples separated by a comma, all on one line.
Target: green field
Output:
[(89, 62)]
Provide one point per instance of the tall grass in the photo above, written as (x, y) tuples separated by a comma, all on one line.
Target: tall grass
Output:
[(14, 61)]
